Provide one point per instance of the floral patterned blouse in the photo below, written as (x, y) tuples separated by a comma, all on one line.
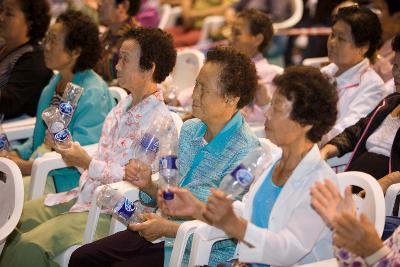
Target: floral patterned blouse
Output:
[(388, 255), (121, 132)]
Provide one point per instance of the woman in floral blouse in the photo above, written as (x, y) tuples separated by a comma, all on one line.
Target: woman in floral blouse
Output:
[(51, 224)]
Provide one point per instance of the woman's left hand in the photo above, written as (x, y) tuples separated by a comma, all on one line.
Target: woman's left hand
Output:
[(75, 155), (356, 235), (155, 227), (219, 213)]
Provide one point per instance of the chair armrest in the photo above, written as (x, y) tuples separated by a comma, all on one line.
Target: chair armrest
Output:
[(45, 164), (204, 237), (126, 189), (19, 129), (185, 230), (390, 198)]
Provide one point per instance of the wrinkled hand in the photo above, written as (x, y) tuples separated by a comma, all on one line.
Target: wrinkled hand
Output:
[(75, 155), (327, 201), (49, 141), (356, 235), (219, 212), (138, 173), (184, 203), (155, 227)]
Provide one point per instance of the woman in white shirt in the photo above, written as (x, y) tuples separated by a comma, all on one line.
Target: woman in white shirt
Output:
[(274, 223), (374, 139), (355, 37)]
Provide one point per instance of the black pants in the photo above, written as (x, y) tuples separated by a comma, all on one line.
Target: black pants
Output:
[(124, 248)]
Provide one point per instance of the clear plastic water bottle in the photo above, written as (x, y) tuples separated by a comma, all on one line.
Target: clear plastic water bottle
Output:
[(239, 180), (123, 209), (168, 169), (4, 143), (57, 127), (71, 96)]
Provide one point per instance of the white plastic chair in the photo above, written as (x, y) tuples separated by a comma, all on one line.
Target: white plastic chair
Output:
[(187, 67), (316, 62), (297, 8), (165, 13), (373, 205), (11, 198), (210, 24), (52, 161), (19, 128), (117, 93), (390, 198)]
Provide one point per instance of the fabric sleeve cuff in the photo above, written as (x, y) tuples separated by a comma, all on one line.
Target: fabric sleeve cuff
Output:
[(379, 254)]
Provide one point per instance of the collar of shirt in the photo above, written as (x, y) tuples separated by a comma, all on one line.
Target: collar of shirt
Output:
[(351, 77), (259, 57), (218, 143)]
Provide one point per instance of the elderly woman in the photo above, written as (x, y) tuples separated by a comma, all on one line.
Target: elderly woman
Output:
[(23, 74), (274, 223), (355, 37), (210, 147), (72, 48), (374, 139), (55, 222), (355, 238)]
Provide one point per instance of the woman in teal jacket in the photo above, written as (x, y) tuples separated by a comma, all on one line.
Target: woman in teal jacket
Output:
[(72, 48)]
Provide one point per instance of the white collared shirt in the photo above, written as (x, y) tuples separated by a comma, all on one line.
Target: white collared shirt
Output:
[(359, 89)]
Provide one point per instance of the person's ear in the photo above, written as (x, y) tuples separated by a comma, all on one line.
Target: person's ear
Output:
[(259, 38)]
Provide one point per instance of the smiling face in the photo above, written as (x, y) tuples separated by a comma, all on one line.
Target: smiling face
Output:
[(341, 47), (13, 24)]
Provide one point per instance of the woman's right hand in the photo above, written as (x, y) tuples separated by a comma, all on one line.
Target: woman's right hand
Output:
[(138, 174), (328, 203), (184, 203)]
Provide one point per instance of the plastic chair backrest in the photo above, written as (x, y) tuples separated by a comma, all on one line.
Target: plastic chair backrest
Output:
[(187, 67), (11, 198), (165, 13), (373, 205), (117, 93), (210, 24), (297, 8)]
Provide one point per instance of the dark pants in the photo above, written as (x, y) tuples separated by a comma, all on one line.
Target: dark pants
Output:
[(124, 248)]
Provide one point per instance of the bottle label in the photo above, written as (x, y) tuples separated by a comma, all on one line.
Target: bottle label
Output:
[(242, 175), (125, 208), (150, 143), (62, 135), (168, 162), (66, 109), (3, 141)]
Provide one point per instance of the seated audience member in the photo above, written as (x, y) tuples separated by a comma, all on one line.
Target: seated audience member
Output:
[(374, 139), (118, 16), (23, 74), (72, 48), (210, 147), (193, 13), (53, 223), (389, 15), (274, 223), (251, 33), (355, 37), (148, 15), (87, 7), (355, 238)]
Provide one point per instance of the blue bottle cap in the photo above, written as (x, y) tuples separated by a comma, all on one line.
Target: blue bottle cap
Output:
[(66, 108), (150, 143), (168, 195), (62, 135)]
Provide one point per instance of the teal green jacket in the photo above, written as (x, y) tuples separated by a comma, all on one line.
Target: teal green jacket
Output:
[(85, 126)]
